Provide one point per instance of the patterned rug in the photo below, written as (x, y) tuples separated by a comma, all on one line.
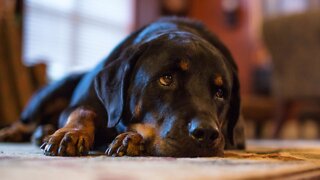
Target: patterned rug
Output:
[(261, 160)]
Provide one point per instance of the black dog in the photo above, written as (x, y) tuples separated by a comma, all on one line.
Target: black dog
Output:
[(169, 89)]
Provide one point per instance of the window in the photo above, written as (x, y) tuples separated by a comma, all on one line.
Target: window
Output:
[(73, 35), (282, 7)]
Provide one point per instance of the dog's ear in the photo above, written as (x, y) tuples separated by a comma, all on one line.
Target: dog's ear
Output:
[(233, 113), (112, 82)]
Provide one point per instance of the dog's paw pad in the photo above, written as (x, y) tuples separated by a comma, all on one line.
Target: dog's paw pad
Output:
[(126, 144), (71, 142)]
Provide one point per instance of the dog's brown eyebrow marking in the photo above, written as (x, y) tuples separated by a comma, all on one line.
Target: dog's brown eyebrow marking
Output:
[(218, 81), (184, 64)]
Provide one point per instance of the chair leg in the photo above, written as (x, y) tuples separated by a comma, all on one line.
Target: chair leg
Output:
[(318, 130), (301, 125), (258, 130), (282, 115)]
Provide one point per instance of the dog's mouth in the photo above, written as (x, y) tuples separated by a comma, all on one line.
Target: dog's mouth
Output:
[(174, 147), (177, 146)]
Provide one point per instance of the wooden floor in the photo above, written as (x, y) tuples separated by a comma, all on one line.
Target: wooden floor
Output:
[(262, 159)]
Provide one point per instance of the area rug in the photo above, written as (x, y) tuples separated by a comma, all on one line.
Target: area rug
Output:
[(261, 160)]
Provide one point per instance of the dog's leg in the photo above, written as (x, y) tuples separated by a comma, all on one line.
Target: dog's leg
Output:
[(43, 109), (75, 138), (17, 132)]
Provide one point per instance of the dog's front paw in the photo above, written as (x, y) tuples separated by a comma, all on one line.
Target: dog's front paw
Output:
[(67, 142), (126, 144)]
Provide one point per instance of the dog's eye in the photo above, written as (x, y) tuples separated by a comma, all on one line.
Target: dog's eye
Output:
[(166, 80), (219, 94)]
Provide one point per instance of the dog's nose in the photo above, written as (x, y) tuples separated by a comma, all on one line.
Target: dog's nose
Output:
[(203, 132)]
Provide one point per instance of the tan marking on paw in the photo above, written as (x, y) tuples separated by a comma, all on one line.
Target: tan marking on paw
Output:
[(147, 131)]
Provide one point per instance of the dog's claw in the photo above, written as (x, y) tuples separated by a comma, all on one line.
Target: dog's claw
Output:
[(61, 150), (81, 147), (43, 146), (48, 146), (121, 149), (81, 150), (126, 144), (109, 151)]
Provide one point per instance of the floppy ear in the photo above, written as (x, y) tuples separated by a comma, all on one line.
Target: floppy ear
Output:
[(112, 82), (233, 114)]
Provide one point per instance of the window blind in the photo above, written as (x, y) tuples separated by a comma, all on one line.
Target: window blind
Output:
[(73, 35)]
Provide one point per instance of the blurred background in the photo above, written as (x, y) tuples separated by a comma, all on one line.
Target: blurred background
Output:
[(276, 44)]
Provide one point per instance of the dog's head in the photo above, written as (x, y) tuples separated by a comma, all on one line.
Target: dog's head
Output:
[(177, 90)]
